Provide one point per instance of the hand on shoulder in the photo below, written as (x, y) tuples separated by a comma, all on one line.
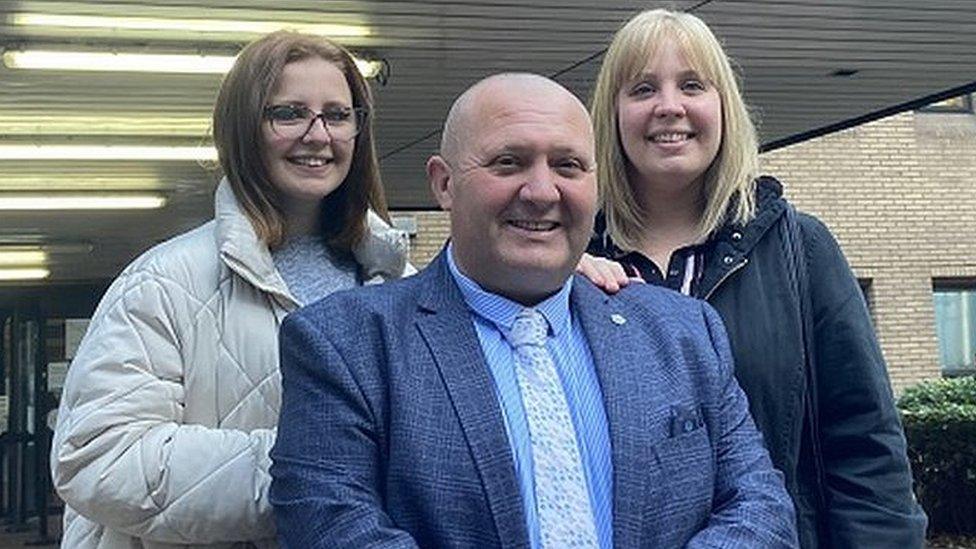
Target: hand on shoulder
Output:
[(606, 274)]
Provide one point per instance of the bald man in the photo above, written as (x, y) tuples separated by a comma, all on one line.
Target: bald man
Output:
[(494, 399)]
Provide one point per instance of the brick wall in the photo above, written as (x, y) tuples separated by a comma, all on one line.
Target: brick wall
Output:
[(900, 196), (433, 228)]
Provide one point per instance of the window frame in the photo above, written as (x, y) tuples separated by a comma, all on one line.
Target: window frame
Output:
[(954, 285)]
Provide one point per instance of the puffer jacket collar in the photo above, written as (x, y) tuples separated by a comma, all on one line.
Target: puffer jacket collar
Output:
[(242, 251), (382, 254), (733, 242)]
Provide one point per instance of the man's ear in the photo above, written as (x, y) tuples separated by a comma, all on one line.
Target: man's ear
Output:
[(440, 179)]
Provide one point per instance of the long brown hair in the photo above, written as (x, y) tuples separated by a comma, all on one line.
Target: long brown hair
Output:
[(237, 119)]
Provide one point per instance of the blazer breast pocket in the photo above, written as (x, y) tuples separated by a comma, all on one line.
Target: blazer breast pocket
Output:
[(681, 486), (688, 445), (684, 461)]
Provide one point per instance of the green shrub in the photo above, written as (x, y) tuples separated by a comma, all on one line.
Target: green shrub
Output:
[(940, 424)]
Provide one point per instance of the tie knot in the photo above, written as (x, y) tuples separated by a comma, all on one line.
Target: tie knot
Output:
[(529, 328)]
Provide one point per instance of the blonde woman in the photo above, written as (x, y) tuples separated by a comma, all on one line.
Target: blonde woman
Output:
[(682, 207)]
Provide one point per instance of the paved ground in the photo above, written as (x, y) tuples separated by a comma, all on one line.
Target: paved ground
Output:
[(952, 542), (30, 538)]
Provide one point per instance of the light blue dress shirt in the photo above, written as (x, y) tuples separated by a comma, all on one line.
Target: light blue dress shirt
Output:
[(571, 353)]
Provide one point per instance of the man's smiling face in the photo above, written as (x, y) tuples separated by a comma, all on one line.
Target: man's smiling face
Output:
[(521, 188)]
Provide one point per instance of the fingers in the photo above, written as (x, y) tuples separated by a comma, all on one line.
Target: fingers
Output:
[(589, 268), (614, 273), (605, 274)]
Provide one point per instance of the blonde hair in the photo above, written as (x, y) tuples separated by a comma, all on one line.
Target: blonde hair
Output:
[(729, 182), (239, 114)]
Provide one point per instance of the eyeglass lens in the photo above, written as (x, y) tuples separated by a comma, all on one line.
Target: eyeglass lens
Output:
[(294, 122)]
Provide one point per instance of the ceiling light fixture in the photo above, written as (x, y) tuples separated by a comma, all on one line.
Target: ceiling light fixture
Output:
[(102, 124), (22, 256), (67, 182), (106, 152), (80, 201), (373, 68), (139, 62), (29, 244), (33, 273), (117, 62), (209, 26)]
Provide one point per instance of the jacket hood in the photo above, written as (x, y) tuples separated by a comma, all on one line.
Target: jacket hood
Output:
[(732, 244), (770, 205)]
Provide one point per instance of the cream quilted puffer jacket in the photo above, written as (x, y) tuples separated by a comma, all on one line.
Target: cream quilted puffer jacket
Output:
[(169, 408)]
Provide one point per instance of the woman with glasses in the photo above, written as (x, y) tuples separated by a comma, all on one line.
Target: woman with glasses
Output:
[(168, 413), (682, 207)]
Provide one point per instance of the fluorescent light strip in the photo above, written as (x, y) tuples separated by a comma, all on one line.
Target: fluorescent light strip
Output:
[(208, 26), (35, 273), (68, 182), (107, 124), (17, 244), (22, 257), (106, 152), (80, 201), (118, 62), (138, 62)]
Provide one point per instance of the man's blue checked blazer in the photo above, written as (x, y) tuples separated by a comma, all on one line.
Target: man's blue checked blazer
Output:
[(391, 434)]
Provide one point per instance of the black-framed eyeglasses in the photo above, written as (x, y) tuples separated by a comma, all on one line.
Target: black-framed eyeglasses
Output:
[(294, 121)]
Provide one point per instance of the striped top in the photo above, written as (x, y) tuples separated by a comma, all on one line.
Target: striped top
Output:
[(570, 351)]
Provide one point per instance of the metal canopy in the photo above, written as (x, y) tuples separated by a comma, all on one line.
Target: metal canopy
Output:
[(808, 67)]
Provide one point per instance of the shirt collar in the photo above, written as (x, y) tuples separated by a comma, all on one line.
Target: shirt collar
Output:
[(501, 311)]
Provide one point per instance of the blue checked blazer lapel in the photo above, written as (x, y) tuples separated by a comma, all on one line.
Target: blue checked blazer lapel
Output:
[(446, 326), (615, 342)]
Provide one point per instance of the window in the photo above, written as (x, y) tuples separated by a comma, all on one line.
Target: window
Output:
[(955, 326), (867, 292), (960, 103), (865, 285)]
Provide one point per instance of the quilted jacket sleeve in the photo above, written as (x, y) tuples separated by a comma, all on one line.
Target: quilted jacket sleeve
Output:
[(867, 475), (122, 455)]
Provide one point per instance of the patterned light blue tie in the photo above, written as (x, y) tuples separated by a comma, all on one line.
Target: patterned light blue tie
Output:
[(562, 499)]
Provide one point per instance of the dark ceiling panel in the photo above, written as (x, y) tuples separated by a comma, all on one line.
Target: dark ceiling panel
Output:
[(788, 51)]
